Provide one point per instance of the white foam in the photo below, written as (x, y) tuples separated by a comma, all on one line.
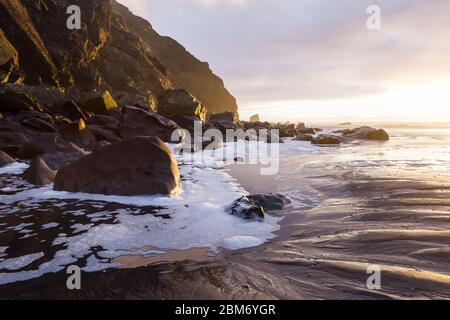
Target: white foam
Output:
[(20, 262), (14, 168), (198, 220), (50, 225)]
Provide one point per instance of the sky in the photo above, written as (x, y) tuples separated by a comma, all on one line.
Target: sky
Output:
[(316, 60)]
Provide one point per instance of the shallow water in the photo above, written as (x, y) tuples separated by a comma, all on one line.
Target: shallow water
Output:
[(354, 206)]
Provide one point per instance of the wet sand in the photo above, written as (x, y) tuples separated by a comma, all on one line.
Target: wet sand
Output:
[(397, 219)]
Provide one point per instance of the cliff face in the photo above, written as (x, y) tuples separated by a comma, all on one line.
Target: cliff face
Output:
[(114, 51)]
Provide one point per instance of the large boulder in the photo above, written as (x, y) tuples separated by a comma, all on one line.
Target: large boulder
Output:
[(139, 166), (5, 159), (255, 118), (181, 102), (324, 139), (39, 173), (137, 122), (100, 105), (15, 102)]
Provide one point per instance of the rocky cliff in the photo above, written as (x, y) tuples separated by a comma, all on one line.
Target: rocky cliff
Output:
[(114, 50)]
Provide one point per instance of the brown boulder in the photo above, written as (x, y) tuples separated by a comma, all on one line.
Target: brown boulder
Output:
[(304, 137), (224, 121), (138, 122), (39, 173), (181, 102), (79, 134), (255, 118), (326, 140), (366, 133), (139, 166), (100, 105), (286, 130)]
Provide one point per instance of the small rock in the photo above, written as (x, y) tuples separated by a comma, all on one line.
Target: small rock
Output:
[(5, 159), (246, 209), (255, 118), (39, 173), (270, 201)]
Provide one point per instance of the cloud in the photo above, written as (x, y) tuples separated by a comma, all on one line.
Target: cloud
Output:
[(274, 50)]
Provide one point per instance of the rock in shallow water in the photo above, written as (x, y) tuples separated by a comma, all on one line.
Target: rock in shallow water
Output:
[(326, 140), (139, 166), (367, 133), (39, 173), (304, 137), (254, 207), (246, 209), (270, 201)]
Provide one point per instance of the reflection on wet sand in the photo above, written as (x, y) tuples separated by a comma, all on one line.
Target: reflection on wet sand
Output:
[(138, 259)]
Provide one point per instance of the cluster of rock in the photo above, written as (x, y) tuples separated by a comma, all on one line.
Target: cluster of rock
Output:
[(98, 146), (300, 132), (56, 111)]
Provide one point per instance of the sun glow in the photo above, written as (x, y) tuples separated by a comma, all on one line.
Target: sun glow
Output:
[(428, 102)]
